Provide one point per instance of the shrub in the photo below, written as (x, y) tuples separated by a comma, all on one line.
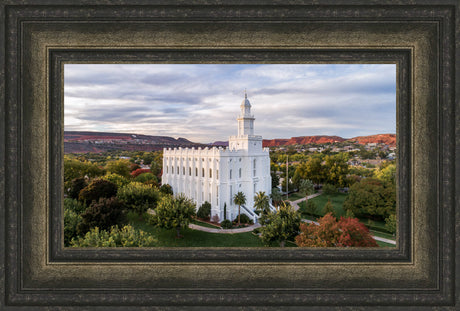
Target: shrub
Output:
[(74, 206), (139, 197), (98, 188), (139, 171), (166, 189), (105, 213), (120, 167), (118, 180), (226, 224), (329, 208), (311, 208), (332, 233), (147, 178), (71, 221), (372, 198), (204, 212), (329, 189), (174, 212), (244, 219), (124, 237), (390, 223), (75, 186), (215, 218), (133, 166)]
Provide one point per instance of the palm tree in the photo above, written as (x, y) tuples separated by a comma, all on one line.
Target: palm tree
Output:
[(261, 202), (239, 199)]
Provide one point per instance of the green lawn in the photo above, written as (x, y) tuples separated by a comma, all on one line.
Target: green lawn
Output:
[(383, 244), (321, 200), (295, 196), (195, 238), (203, 224)]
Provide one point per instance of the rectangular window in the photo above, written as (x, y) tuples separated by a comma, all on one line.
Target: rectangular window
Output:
[(189, 171), (210, 173), (202, 172), (183, 170), (239, 173), (231, 195), (230, 174), (217, 174), (178, 170), (196, 171), (254, 172)]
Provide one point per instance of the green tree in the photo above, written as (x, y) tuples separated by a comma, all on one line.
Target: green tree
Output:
[(98, 188), (75, 186), (276, 196), (391, 223), (337, 169), (174, 213), (71, 221), (387, 174), (306, 188), (156, 167), (147, 178), (127, 236), (261, 203), (204, 211), (74, 168), (121, 167), (371, 198), (275, 179), (313, 169), (166, 189), (280, 226), (311, 208), (139, 197), (329, 208), (118, 180), (105, 213), (239, 199)]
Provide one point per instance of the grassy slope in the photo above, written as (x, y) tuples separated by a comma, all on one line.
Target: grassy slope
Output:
[(194, 238)]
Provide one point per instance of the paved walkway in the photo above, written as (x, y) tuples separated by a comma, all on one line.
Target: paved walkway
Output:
[(217, 230), (295, 203)]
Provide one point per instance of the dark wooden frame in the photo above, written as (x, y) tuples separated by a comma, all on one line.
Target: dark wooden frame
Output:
[(38, 272)]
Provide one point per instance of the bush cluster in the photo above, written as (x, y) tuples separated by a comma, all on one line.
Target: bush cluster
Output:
[(226, 224), (204, 212)]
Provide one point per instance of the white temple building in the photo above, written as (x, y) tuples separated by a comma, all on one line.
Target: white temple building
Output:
[(217, 174)]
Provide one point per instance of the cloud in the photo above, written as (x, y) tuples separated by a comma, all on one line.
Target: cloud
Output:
[(201, 102)]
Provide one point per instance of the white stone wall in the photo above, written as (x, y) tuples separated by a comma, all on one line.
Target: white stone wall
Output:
[(183, 169), (217, 174)]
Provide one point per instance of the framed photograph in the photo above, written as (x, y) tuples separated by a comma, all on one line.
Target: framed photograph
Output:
[(53, 47)]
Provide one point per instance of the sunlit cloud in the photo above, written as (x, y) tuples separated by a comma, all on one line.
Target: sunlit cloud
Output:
[(201, 102)]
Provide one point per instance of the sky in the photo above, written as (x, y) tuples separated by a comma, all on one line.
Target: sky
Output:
[(201, 102)]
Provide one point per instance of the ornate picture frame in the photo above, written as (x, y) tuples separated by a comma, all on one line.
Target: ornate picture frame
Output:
[(419, 37)]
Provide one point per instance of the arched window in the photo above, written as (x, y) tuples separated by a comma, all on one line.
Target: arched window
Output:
[(202, 172), (230, 174), (189, 171), (217, 174), (178, 170), (196, 171), (210, 173), (239, 173), (167, 169), (183, 170)]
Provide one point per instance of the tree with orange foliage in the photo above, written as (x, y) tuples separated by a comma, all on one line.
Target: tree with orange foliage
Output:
[(347, 232)]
